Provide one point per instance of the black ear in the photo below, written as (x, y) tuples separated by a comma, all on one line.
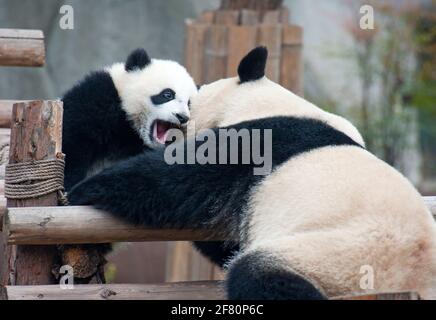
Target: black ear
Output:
[(138, 59), (252, 66)]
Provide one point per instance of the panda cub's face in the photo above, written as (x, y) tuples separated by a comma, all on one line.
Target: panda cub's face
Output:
[(155, 95)]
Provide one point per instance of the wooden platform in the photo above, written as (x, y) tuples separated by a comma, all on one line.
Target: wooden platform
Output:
[(194, 290)]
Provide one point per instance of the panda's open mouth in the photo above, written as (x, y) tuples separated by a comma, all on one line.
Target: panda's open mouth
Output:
[(160, 130)]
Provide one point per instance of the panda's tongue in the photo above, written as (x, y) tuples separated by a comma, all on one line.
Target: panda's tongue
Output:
[(160, 131)]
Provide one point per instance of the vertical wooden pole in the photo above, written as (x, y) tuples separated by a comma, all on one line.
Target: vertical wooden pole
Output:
[(36, 134), (228, 17), (291, 75), (215, 62), (242, 40), (271, 37), (194, 49), (250, 17)]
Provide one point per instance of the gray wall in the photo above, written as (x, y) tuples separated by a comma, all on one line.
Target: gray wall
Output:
[(105, 31)]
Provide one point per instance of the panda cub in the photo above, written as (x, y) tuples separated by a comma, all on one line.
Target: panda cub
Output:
[(330, 219), (118, 112)]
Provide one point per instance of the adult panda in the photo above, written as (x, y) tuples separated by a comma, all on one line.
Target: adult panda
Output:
[(118, 112), (328, 210)]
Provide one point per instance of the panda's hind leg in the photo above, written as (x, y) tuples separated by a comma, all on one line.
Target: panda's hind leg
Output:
[(261, 275)]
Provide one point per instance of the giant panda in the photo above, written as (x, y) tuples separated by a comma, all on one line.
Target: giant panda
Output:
[(330, 219), (119, 111)]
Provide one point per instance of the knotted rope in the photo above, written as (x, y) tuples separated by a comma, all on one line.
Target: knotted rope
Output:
[(34, 179)]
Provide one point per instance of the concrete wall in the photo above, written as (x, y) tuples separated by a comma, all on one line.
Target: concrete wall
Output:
[(105, 31)]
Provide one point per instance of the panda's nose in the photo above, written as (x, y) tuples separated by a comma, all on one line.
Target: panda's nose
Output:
[(183, 118)]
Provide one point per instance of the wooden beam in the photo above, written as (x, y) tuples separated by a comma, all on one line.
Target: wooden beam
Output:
[(35, 135), (199, 290), (195, 290), (57, 225), (22, 48)]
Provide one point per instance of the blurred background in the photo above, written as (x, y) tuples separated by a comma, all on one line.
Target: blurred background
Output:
[(382, 79)]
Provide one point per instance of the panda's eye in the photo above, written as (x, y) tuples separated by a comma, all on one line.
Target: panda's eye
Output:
[(189, 104), (168, 94), (164, 96)]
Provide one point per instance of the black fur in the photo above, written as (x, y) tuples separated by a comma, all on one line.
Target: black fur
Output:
[(252, 66), (146, 190), (137, 60), (163, 97), (217, 251), (95, 127), (262, 276)]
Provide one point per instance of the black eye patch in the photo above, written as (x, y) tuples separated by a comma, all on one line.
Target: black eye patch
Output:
[(165, 96)]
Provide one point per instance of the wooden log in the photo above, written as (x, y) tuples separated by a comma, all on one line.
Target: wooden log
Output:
[(215, 62), (195, 290), (260, 5), (227, 17), (22, 48), (194, 49), (271, 37), (36, 134), (184, 263), (50, 225), (271, 17), (58, 225), (242, 39), (381, 296), (249, 17), (201, 290), (284, 15), (178, 260), (207, 17), (291, 68)]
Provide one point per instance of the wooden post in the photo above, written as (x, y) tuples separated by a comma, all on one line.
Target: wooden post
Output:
[(194, 45), (271, 37), (291, 75), (36, 134), (242, 40), (215, 62)]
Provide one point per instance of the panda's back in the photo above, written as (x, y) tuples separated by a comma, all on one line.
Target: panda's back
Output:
[(334, 210)]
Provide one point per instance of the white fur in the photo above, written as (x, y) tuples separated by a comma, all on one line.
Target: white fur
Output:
[(225, 102), (330, 211), (136, 88)]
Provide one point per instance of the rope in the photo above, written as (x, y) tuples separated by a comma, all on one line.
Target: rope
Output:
[(34, 179)]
